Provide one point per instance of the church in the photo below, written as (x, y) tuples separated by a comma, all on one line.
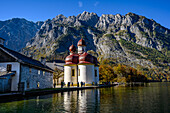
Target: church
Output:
[(81, 67)]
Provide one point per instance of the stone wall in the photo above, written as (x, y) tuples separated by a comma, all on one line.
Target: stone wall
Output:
[(15, 79), (34, 78), (5, 83)]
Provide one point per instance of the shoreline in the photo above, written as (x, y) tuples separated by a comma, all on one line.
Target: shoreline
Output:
[(18, 95)]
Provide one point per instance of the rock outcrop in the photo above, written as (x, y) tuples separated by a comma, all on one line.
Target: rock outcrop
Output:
[(17, 32), (130, 39)]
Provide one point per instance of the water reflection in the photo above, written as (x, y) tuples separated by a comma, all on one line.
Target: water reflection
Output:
[(82, 101), (152, 98)]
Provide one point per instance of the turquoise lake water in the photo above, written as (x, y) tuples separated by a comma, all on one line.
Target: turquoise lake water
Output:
[(152, 98)]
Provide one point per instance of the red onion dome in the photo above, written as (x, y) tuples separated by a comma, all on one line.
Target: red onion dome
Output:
[(85, 58), (72, 48), (72, 59), (81, 42)]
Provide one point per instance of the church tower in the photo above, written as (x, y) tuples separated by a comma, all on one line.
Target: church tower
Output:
[(81, 67), (81, 46)]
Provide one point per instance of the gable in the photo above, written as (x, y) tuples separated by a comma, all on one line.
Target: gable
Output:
[(14, 56), (4, 57)]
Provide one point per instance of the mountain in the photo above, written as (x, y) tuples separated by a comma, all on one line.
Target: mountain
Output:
[(17, 32), (129, 39)]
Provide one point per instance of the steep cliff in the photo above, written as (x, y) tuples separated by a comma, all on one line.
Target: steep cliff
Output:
[(17, 32), (131, 39)]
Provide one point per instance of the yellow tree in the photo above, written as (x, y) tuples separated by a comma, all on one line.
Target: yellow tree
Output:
[(106, 73)]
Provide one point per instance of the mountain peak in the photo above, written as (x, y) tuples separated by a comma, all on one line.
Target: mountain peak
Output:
[(18, 31)]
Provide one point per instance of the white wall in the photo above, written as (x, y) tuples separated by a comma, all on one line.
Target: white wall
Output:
[(15, 79), (81, 49), (67, 74), (2, 68), (86, 74)]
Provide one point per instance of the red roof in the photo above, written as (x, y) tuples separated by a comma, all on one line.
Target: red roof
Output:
[(81, 59), (72, 48), (81, 42), (72, 59), (85, 58)]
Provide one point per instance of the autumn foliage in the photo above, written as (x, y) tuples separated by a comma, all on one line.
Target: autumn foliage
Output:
[(120, 73), (106, 73)]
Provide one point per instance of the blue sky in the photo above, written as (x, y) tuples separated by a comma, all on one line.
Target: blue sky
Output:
[(41, 10)]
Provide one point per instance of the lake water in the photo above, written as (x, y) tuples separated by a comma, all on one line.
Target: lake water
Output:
[(152, 98)]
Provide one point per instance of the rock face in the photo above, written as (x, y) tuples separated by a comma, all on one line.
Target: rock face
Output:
[(17, 32), (131, 39)]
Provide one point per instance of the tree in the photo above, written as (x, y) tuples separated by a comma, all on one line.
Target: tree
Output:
[(106, 73), (120, 70), (57, 74)]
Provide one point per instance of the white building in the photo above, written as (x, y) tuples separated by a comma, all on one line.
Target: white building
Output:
[(81, 67), (21, 73), (59, 65)]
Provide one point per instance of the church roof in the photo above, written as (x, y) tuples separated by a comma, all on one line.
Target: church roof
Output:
[(85, 58), (72, 48), (24, 59), (72, 59), (81, 42)]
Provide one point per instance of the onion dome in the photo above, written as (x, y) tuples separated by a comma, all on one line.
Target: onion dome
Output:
[(72, 48), (81, 42), (85, 58), (72, 59)]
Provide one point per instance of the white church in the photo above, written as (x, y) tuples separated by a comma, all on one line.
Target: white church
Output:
[(81, 67)]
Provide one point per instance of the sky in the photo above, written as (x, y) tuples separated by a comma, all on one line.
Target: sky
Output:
[(41, 10)]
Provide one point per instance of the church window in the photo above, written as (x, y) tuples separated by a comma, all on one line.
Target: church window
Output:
[(79, 72), (9, 67), (39, 72), (38, 84), (72, 72), (43, 73), (95, 73)]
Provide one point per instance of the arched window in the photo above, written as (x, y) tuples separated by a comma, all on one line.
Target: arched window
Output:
[(79, 72), (73, 72)]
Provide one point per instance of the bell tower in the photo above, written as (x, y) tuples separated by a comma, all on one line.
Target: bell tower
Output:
[(81, 46)]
